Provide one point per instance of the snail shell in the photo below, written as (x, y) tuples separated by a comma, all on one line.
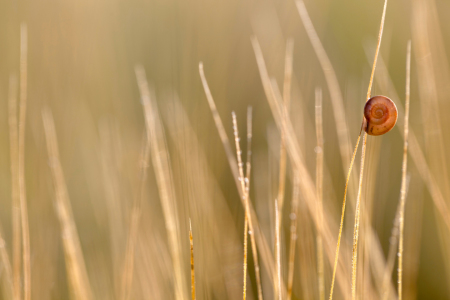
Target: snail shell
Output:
[(380, 115)]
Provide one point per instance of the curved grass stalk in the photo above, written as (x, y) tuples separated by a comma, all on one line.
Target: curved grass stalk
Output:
[(21, 163), (293, 239), (319, 191), (404, 166), (245, 183)]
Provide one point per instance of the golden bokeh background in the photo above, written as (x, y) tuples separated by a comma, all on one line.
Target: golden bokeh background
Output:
[(81, 66)]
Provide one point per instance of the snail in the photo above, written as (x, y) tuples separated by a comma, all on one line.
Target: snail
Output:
[(380, 115)]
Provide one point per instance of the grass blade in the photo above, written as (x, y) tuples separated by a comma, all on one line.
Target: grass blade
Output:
[(15, 190), (191, 243), (319, 190), (75, 266), (21, 163), (161, 165), (404, 167)]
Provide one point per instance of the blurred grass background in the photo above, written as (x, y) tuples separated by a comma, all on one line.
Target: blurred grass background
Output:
[(81, 58)]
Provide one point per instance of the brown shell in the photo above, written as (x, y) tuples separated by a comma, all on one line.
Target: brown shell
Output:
[(380, 115)]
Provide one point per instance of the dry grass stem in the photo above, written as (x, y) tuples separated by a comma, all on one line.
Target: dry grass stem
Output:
[(293, 235), (75, 266), (15, 190), (243, 179), (393, 250), (404, 168), (319, 191), (191, 242), (278, 247), (21, 163), (245, 183), (247, 187), (161, 165), (286, 102), (357, 218)]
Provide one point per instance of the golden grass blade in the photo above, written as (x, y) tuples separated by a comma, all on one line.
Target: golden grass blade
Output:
[(363, 153), (286, 101), (377, 51), (256, 236), (21, 163), (247, 187), (161, 165), (293, 235), (243, 181), (319, 190), (191, 242), (404, 167), (357, 218), (248, 165), (245, 257), (393, 249), (128, 270), (75, 266), (278, 247), (15, 190)]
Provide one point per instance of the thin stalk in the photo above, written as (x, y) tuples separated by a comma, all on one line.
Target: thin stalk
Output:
[(357, 218), (244, 289), (277, 238), (191, 242), (15, 190), (319, 191), (293, 238), (393, 250), (247, 187), (404, 166), (161, 165), (73, 255), (21, 163), (286, 102), (245, 184)]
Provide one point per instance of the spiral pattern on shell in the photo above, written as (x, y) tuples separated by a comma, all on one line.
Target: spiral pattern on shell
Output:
[(380, 115)]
